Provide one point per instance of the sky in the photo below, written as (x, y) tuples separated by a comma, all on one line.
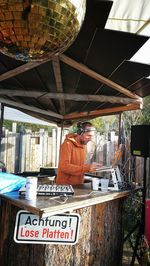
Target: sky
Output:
[(18, 116)]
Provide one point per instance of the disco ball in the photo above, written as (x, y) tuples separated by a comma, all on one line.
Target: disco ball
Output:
[(33, 30)]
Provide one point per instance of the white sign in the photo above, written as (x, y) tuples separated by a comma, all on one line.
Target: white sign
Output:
[(56, 229)]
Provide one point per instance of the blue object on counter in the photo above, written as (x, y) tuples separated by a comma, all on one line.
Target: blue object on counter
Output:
[(10, 182)]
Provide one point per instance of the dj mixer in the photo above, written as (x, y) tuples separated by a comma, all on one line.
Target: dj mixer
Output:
[(51, 190)]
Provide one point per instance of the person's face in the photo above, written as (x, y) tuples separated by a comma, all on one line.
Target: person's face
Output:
[(86, 137)]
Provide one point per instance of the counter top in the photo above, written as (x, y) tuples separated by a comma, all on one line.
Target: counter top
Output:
[(45, 206)]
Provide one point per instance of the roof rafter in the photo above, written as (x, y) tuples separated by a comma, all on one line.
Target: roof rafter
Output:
[(30, 108), (84, 69), (21, 69), (58, 79), (70, 96), (103, 112)]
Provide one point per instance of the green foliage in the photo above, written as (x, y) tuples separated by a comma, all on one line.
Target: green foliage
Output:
[(145, 113), (130, 118), (102, 124), (132, 211), (99, 124), (106, 123), (111, 122), (7, 124), (27, 126), (139, 117)]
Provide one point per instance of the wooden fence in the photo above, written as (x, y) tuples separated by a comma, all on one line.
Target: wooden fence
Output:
[(28, 151)]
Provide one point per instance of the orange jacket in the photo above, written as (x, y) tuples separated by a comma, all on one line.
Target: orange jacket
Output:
[(72, 165)]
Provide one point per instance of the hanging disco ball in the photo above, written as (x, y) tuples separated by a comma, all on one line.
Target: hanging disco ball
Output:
[(33, 30)]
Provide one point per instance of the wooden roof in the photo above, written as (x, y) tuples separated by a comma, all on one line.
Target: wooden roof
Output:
[(94, 77)]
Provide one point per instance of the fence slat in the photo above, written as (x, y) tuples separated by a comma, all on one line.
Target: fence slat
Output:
[(28, 151)]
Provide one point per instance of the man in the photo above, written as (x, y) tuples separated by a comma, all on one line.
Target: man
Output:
[(72, 164)]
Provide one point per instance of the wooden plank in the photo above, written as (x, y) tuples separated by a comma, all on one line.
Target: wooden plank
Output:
[(98, 155), (23, 162), (45, 148), (13, 151), (22, 93), (84, 69), (5, 147), (30, 108), (27, 149), (54, 146), (49, 152), (21, 69), (58, 79), (17, 153), (102, 112), (31, 153), (37, 156), (70, 96), (1, 122), (83, 197), (87, 199), (2, 150), (9, 151), (91, 98), (58, 145), (41, 147)]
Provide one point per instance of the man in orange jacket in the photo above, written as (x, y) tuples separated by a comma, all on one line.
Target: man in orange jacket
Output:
[(72, 164)]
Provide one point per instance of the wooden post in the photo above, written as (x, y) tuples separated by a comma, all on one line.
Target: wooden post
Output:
[(1, 126), (20, 164), (120, 124), (60, 141), (54, 155)]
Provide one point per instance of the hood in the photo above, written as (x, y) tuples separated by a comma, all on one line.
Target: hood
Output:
[(72, 137)]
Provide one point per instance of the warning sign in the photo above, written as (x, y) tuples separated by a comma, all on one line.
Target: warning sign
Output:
[(56, 229)]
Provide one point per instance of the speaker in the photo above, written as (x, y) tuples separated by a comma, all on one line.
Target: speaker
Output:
[(140, 140)]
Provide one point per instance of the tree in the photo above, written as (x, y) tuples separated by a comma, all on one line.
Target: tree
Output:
[(99, 124), (137, 117), (106, 123), (33, 127), (145, 113)]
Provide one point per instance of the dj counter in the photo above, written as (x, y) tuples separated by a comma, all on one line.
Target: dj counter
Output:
[(100, 228)]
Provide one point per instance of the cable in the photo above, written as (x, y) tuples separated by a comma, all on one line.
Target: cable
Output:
[(86, 195), (63, 199)]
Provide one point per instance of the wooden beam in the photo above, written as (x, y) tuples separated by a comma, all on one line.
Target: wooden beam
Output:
[(1, 124), (70, 96), (30, 108), (102, 112), (22, 93), (58, 79), (91, 98), (84, 69), (23, 68)]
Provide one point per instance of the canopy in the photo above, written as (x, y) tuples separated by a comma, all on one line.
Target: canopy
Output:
[(94, 77)]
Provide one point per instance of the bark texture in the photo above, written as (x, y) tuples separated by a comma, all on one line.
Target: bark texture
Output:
[(99, 244)]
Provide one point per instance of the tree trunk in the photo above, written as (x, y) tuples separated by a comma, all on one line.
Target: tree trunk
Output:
[(100, 240)]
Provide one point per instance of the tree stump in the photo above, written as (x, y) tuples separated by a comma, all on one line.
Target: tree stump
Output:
[(100, 240)]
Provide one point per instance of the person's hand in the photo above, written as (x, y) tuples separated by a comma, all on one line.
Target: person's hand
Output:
[(95, 166)]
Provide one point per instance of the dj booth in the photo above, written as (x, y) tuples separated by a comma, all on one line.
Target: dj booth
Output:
[(99, 240)]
